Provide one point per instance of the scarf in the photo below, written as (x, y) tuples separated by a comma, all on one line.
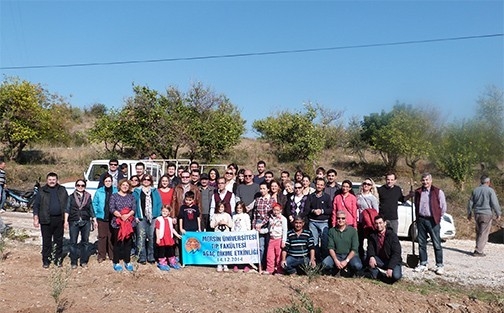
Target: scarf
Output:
[(148, 204)]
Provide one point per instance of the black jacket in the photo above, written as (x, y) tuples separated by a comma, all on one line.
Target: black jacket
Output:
[(391, 246), (41, 203), (74, 214)]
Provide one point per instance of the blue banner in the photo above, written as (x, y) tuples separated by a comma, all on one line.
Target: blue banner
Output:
[(214, 248)]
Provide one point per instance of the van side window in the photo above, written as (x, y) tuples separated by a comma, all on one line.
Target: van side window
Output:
[(96, 171)]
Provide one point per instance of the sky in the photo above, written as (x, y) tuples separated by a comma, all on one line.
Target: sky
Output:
[(361, 74)]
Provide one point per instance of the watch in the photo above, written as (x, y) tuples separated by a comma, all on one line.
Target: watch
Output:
[(347, 260)]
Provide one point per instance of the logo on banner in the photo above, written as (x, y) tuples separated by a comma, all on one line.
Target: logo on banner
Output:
[(220, 247)]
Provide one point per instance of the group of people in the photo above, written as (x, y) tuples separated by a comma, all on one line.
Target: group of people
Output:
[(302, 221)]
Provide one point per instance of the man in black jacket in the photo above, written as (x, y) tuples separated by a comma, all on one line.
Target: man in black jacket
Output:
[(384, 252), (49, 214)]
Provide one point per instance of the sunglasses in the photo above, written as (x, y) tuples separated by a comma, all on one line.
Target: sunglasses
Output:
[(113, 164), (185, 176), (248, 175), (80, 185), (298, 187), (230, 173), (341, 218), (134, 179), (146, 179), (366, 184)]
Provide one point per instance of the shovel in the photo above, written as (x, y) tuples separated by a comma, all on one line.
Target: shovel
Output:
[(412, 259)]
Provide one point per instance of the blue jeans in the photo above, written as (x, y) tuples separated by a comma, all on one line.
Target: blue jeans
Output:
[(84, 230), (396, 271), (293, 263), (145, 241), (426, 225), (319, 230), (354, 265), (263, 248)]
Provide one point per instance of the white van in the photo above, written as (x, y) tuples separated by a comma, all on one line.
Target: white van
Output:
[(98, 167)]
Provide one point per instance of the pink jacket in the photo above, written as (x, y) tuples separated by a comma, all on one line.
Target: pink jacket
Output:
[(349, 205)]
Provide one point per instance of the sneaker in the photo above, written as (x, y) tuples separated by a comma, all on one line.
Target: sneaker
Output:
[(439, 270), (129, 267), (100, 260), (219, 268), (265, 273), (45, 265), (163, 267), (74, 266), (143, 262), (421, 268), (246, 269), (225, 268), (235, 269), (84, 265), (480, 254), (175, 266), (118, 267)]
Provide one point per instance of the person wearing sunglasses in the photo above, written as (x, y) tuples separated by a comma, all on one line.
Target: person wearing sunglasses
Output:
[(79, 217), (343, 244), (367, 208), (148, 208), (113, 171), (180, 191), (296, 204)]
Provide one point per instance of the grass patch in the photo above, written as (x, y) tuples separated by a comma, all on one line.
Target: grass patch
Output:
[(427, 287), (17, 235), (312, 272), (302, 303)]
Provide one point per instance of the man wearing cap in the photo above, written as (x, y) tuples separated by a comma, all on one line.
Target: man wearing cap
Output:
[(207, 193)]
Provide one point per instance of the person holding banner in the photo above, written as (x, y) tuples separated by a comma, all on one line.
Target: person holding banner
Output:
[(221, 222), (299, 248)]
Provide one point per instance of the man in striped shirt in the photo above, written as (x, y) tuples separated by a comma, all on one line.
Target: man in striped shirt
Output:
[(299, 248)]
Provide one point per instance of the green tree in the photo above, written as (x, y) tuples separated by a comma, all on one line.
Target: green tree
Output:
[(30, 114), (490, 121), (205, 123), (403, 132), (374, 134), (457, 152), (293, 136)]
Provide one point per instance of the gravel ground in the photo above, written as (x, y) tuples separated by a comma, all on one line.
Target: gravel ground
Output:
[(460, 266)]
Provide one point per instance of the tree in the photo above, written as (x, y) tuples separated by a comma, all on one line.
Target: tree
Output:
[(29, 114), (293, 136), (490, 120), (373, 134), (457, 152), (403, 132), (205, 123)]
